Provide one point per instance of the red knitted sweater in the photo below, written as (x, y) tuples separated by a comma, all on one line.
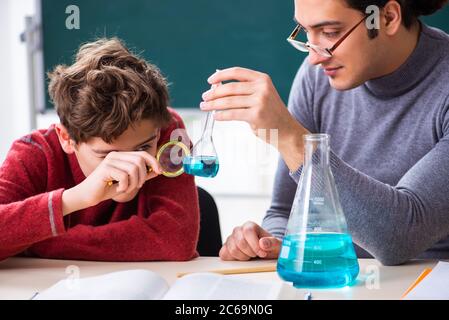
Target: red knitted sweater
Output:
[(160, 223)]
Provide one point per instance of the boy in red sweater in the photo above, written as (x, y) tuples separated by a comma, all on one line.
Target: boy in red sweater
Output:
[(55, 201)]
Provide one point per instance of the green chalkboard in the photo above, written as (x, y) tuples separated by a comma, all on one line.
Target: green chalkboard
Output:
[(188, 40)]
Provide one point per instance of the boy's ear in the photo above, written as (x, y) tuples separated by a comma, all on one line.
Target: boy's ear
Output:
[(67, 144), (391, 17)]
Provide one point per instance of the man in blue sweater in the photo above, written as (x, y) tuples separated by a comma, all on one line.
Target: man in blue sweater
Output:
[(383, 96)]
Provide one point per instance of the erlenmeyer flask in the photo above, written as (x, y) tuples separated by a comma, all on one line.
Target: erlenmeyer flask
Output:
[(203, 161), (317, 251)]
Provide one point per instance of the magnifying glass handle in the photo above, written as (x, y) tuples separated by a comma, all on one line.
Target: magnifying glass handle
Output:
[(112, 182)]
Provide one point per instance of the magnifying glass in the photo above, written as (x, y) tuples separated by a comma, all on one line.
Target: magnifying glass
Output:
[(170, 157)]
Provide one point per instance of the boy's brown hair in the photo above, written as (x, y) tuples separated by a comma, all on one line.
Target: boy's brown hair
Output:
[(107, 90)]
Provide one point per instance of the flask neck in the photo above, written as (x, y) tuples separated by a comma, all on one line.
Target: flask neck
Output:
[(316, 150), (209, 126)]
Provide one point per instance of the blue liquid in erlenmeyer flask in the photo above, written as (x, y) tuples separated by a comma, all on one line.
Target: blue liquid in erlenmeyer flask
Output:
[(327, 261), (202, 166)]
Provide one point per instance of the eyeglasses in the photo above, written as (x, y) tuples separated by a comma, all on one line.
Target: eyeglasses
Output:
[(325, 52)]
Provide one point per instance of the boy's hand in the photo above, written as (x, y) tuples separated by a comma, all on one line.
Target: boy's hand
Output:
[(250, 241), (129, 169)]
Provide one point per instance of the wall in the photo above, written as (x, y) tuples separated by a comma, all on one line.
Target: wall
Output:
[(14, 112)]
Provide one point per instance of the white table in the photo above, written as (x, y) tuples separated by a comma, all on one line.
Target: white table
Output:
[(20, 278)]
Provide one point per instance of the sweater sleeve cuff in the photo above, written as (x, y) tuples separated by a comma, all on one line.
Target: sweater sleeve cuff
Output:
[(334, 161), (55, 216)]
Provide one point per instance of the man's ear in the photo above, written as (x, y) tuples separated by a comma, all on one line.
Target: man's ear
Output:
[(67, 144), (391, 17)]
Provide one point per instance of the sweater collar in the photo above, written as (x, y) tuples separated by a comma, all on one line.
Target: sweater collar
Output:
[(418, 65)]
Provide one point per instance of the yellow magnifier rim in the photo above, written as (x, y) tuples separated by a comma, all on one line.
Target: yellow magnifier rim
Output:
[(169, 144)]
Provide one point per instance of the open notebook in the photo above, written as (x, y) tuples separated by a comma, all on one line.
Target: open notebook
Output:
[(147, 285)]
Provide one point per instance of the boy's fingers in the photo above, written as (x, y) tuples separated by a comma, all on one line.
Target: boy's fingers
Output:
[(151, 162), (136, 156), (133, 159), (121, 177), (130, 169), (151, 175)]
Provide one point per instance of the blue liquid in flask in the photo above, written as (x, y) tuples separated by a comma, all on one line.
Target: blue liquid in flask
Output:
[(320, 260), (202, 166)]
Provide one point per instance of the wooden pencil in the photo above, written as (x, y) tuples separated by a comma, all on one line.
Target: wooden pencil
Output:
[(256, 269)]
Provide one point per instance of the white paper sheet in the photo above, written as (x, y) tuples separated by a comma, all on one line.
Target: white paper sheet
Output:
[(435, 286)]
